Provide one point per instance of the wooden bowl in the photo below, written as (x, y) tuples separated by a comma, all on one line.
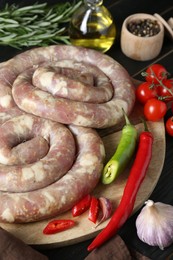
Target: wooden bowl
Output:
[(139, 47)]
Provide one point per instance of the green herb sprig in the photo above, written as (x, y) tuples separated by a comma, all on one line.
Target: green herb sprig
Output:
[(36, 25)]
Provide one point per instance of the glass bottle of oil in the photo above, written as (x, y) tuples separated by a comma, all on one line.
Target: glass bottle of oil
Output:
[(92, 26)]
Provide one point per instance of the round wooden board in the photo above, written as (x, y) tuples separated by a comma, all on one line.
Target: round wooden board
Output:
[(84, 229)]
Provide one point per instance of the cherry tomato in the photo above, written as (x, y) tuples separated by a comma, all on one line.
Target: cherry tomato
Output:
[(154, 109), (164, 91), (169, 126), (155, 72), (172, 107), (145, 91)]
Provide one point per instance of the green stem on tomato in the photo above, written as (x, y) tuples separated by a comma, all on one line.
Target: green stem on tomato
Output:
[(160, 82)]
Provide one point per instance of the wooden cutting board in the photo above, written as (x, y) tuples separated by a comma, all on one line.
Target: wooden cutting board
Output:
[(84, 229)]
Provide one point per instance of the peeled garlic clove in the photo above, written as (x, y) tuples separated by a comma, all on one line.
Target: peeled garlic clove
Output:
[(155, 224)]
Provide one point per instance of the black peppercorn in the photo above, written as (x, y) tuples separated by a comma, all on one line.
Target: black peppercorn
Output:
[(144, 27)]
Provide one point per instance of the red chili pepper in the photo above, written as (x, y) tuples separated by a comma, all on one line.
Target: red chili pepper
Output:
[(125, 208), (58, 225), (94, 209), (81, 206)]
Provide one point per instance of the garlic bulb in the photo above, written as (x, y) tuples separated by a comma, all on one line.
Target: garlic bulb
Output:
[(155, 224)]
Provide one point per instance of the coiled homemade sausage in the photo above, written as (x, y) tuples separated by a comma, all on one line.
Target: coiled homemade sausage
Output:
[(60, 196), (43, 104), (36, 82), (74, 80), (24, 166)]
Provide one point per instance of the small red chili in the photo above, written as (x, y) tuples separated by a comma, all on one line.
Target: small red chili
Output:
[(81, 206), (58, 225), (125, 208), (94, 210)]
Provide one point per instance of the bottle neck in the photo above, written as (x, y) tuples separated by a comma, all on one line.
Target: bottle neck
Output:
[(93, 3)]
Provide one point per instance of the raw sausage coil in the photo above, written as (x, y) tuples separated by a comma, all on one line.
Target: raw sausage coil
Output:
[(34, 153), (75, 81), (61, 195), (33, 100)]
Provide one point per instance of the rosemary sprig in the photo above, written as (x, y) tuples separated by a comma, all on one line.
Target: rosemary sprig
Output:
[(36, 25)]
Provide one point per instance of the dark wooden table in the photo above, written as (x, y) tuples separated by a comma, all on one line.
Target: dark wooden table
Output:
[(163, 192)]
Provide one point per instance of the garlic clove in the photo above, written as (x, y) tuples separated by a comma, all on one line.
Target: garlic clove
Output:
[(154, 224), (106, 207)]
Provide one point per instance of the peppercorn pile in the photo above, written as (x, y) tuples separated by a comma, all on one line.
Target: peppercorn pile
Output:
[(144, 27)]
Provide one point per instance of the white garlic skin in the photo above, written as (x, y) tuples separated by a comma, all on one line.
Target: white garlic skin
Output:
[(155, 224)]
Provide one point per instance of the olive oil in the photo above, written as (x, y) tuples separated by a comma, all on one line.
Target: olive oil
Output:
[(92, 26)]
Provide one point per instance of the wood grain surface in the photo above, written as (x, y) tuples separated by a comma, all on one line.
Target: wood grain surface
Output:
[(84, 229)]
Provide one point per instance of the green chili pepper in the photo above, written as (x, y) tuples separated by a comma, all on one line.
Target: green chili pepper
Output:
[(123, 153)]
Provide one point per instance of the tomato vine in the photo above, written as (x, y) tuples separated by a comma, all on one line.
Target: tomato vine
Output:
[(156, 94)]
